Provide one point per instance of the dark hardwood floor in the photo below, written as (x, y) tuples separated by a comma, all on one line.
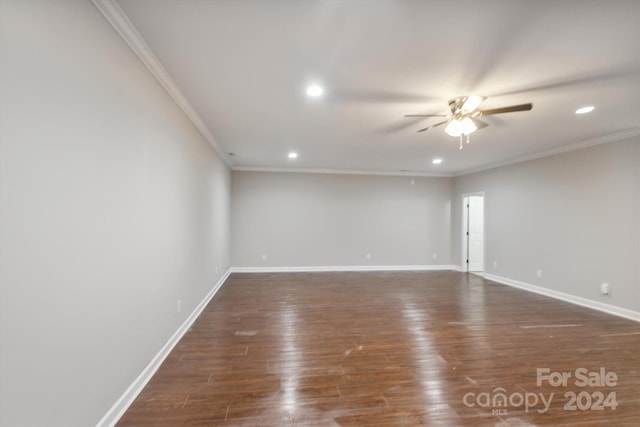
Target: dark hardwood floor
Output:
[(394, 348)]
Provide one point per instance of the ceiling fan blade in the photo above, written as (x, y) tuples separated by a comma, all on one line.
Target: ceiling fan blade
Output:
[(356, 95), (472, 102), (425, 115), (510, 109), (432, 126), (604, 76)]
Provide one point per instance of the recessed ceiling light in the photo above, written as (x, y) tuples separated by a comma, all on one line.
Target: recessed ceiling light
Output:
[(585, 110), (436, 161), (314, 90), (292, 155)]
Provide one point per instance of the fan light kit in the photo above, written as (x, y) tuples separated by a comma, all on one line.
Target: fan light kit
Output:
[(292, 155), (436, 161), (460, 127), (464, 117)]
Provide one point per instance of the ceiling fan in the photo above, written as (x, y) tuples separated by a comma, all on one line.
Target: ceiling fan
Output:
[(465, 115)]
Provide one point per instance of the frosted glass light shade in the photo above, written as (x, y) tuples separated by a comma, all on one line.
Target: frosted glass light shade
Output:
[(460, 127)]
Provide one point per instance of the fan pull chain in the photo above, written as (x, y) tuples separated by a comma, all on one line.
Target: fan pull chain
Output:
[(468, 140)]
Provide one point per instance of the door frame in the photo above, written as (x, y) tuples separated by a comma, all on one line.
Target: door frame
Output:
[(463, 253)]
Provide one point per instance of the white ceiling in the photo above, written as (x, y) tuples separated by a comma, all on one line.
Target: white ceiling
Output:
[(243, 65)]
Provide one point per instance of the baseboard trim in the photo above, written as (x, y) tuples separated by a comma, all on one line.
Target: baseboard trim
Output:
[(341, 268), (584, 302), (122, 404)]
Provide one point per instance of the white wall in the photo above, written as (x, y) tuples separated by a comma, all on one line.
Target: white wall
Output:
[(307, 219), (574, 216), (112, 207)]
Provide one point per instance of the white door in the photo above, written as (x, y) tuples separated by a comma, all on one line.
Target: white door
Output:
[(475, 235)]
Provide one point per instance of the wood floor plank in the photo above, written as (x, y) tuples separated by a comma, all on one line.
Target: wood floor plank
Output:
[(390, 348)]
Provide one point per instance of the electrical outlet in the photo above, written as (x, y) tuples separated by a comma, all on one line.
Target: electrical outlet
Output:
[(605, 289), (435, 256), (179, 306), (539, 273), (264, 257), (495, 264), (368, 256)]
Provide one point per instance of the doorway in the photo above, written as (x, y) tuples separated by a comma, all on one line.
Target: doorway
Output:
[(473, 233)]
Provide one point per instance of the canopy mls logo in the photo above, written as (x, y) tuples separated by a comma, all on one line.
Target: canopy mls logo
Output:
[(499, 401)]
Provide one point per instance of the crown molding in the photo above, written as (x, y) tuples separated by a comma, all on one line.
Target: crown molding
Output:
[(340, 171), (604, 139), (612, 137), (121, 23)]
